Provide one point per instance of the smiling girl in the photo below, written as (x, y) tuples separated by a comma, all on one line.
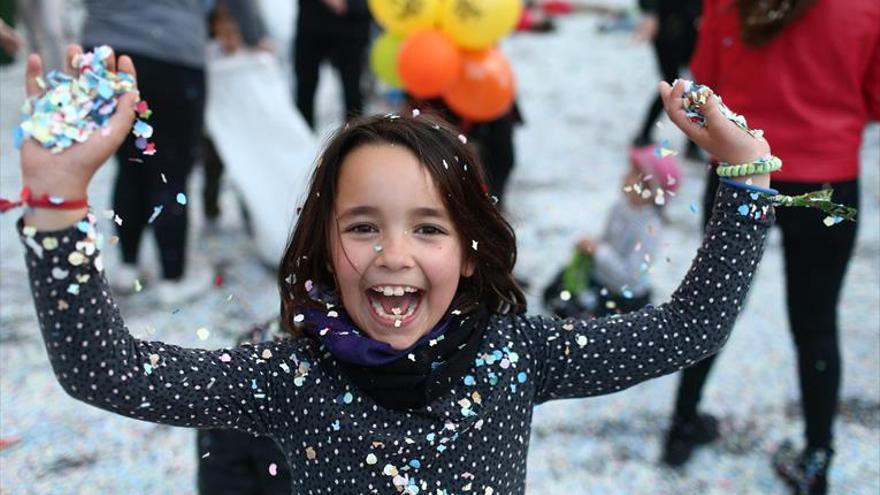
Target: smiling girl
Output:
[(411, 366)]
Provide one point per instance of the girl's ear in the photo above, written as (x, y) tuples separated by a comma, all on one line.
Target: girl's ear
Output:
[(467, 269)]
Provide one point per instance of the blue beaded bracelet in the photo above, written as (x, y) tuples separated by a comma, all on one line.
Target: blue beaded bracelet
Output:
[(743, 185)]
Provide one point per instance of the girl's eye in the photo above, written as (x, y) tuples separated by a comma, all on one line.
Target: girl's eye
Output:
[(429, 230), (361, 228)]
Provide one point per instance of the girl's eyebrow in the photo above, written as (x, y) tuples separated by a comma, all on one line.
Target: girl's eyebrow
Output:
[(423, 211)]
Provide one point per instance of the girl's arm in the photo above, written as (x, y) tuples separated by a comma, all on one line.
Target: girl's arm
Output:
[(585, 358), (92, 353), (97, 361)]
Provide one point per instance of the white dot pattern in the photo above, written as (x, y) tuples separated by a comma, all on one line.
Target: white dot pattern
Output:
[(474, 439)]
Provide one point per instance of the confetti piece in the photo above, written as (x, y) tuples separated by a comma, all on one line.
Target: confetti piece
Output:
[(181, 198), (225, 357), (137, 285), (156, 211), (273, 469), (371, 459), (203, 333), (310, 453)]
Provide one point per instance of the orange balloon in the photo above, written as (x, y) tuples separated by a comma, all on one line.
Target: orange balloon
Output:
[(428, 63), (486, 87)]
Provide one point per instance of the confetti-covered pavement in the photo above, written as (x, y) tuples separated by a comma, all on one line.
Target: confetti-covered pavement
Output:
[(571, 156)]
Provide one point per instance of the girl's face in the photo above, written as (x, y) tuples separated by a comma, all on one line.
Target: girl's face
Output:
[(396, 255)]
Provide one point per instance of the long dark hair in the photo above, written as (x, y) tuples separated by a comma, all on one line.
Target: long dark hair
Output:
[(461, 182), (761, 20)]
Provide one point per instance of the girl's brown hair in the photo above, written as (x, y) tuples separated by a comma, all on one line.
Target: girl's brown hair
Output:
[(488, 241), (761, 20)]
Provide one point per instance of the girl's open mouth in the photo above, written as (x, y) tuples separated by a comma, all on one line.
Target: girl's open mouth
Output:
[(394, 305)]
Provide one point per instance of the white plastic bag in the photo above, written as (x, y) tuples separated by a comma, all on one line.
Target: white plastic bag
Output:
[(265, 144)]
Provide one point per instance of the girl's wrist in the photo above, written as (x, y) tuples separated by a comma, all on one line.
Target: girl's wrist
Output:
[(45, 219), (760, 180)]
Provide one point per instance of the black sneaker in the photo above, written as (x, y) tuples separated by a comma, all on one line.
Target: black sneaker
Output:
[(687, 434), (805, 472)]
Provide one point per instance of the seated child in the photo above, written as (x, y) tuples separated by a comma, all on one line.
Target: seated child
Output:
[(609, 275)]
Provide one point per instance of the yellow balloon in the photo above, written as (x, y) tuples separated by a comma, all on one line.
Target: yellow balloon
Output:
[(405, 16), (477, 24), (383, 58)]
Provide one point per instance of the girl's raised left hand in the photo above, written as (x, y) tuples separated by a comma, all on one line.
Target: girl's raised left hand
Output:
[(720, 137), (67, 174)]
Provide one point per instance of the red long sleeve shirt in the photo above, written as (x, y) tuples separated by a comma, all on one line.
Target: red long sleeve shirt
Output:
[(811, 89)]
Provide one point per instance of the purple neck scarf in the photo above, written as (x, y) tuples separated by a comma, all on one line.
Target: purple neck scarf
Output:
[(347, 343)]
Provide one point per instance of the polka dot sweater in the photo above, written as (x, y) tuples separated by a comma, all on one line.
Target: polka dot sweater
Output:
[(474, 439)]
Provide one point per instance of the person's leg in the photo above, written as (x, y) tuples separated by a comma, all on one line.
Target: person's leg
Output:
[(307, 55), (225, 466), (349, 57), (265, 452), (816, 259), (213, 174), (693, 379), (495, 145), (131, 202), (176, 96), (689, 428), (177, 137), (132, 189)]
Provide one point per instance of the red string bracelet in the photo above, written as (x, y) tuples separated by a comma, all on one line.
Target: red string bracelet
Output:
[(44, 201)]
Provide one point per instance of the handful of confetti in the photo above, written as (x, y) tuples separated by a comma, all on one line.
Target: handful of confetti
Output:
[(696, 95), (71, 108)]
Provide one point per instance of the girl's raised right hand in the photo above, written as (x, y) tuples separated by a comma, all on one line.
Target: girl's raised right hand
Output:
[(67, 174)]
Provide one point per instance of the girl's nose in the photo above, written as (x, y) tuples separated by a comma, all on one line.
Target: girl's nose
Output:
[(394, 252)]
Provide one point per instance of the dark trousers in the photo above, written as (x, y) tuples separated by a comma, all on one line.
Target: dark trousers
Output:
[(816, 258), (494, 142), (213, 176), (347, 55), (176, 94), (673, 47), (235, 463)]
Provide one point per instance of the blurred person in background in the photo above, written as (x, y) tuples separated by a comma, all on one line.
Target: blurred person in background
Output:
[(334, 30), (47, 28), (167, 42), (233, 30), (11, 41), (807, 72)]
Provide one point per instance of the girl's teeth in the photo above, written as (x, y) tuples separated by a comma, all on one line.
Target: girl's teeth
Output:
[(388, 291), (397, 313), (398, 291)]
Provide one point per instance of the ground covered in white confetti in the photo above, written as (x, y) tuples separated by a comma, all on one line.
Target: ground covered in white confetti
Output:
[(583, 95)]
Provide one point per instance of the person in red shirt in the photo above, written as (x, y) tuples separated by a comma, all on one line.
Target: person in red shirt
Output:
[(807, 72)]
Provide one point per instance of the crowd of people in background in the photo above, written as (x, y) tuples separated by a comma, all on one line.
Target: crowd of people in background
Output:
[(811, 85)]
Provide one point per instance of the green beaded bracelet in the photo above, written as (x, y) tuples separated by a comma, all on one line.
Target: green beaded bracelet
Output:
[(760, 166)]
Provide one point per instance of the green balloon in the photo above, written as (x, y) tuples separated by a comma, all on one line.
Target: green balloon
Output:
[(383, 58)]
